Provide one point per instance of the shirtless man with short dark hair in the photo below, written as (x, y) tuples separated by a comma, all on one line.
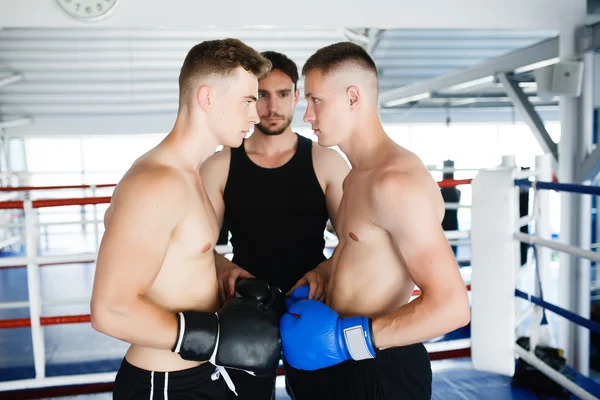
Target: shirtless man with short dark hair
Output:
[(366, 341), (155, 285)]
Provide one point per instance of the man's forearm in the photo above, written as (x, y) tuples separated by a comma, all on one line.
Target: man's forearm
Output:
[(131, 321), (420, 320)]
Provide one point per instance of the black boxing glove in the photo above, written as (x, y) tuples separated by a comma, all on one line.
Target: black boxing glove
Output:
[(269, 295), (241, 335)]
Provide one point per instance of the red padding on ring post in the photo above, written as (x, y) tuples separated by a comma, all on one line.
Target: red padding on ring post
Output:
[(26, 322), (453, 182)]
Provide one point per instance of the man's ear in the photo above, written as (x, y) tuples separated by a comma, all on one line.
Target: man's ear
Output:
[(204, 96), (353, 96)]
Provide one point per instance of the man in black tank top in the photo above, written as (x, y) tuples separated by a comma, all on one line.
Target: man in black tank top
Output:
[(275, 194)]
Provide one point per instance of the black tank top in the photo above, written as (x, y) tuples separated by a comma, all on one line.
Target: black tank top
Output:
[(276, 216)]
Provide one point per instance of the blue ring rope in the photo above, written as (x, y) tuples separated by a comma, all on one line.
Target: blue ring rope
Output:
[(577, 319), (559, 187)]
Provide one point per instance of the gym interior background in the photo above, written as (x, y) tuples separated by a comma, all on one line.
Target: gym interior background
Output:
[(79, 100)]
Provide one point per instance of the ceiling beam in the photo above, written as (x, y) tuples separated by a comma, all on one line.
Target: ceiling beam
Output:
[(13, 78), (530, 116), (15, 122), (524, 59)]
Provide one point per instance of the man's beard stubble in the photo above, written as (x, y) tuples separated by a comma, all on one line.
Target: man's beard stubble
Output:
[(277, 131)]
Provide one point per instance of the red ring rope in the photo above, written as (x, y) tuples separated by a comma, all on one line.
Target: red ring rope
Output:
[(26, 322), (25, 188), (81, 201), (446, 183), (74, 319), (70, 202)]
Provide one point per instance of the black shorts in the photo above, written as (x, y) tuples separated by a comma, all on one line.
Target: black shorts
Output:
[(249, 387), (396, 373), (194, 383)]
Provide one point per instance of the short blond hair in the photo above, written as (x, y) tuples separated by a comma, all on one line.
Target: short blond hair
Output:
[(219, 57)]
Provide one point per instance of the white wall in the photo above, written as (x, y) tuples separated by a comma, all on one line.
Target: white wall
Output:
[(196, 14)]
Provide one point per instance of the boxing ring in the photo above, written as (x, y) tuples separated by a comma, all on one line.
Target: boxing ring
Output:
[(38, 328), (500, 303)]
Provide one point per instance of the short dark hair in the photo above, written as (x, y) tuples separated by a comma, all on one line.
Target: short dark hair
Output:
[(284, 64), (221, 57), (330, 58)]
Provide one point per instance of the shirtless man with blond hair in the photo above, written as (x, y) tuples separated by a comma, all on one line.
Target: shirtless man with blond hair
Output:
[(366, 340), (155, 285)]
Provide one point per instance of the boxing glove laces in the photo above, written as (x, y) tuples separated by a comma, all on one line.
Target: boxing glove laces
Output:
[(242, 335)]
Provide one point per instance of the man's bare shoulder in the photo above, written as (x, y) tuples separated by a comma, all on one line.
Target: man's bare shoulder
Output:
[(148, 179), (403, 181), (329, 158), (216, 166)]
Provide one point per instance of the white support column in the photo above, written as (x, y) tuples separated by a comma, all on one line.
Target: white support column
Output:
[(33, 289), (584, 277), (584, 146), (543, 168), (567, 158)]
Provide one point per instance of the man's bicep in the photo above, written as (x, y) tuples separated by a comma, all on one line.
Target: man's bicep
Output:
[(413, 224), (425, 252)]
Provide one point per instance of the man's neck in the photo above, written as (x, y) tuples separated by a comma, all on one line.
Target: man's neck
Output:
[(365, 144), (271, 145), (192, 141)]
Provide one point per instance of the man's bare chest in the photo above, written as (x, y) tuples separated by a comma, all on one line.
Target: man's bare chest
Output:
[(355, 214)]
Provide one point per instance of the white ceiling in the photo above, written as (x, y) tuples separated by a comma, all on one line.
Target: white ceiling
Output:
[(71, 73)]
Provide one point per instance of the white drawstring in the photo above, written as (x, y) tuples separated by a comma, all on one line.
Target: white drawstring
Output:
[(221, 370)]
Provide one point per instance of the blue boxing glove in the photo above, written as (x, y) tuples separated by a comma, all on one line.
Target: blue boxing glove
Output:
[(313, 336), (297, 294)]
